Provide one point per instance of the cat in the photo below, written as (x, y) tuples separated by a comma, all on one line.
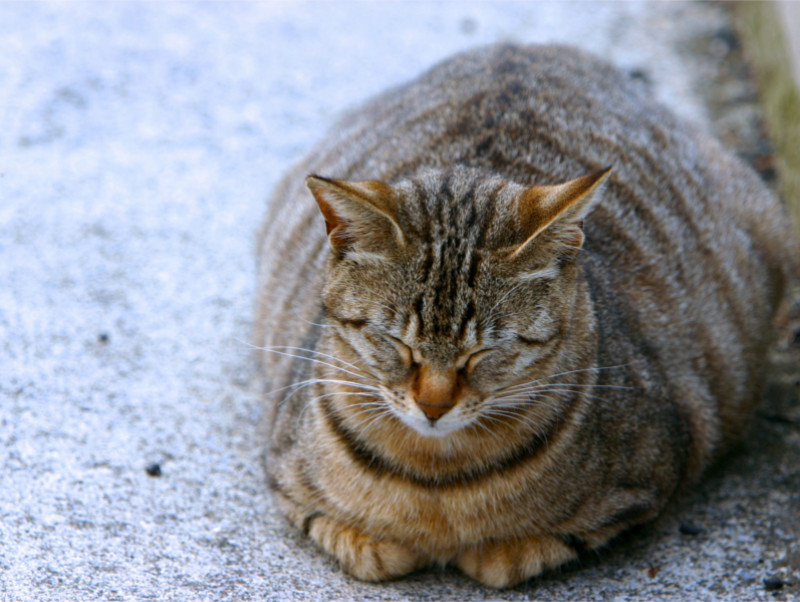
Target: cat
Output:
[(506, 310)]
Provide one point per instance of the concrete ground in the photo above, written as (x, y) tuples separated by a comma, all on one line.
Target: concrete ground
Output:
[(138, 145)]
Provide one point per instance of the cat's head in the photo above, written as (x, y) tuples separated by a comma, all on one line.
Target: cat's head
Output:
[(450, 291)]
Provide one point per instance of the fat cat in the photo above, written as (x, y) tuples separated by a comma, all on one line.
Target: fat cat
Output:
[(505, 311)]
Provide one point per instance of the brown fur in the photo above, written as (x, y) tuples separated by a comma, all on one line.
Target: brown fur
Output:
[(505, 353)]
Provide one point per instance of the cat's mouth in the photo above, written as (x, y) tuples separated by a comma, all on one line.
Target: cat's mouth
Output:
[(432, 423), (439, 419), (438, 429)]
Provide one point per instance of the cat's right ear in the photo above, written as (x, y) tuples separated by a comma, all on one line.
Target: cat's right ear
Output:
[(356, 213), (562, 206)]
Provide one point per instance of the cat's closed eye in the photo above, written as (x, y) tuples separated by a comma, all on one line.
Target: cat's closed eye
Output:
[(467, 362), (406, 353)]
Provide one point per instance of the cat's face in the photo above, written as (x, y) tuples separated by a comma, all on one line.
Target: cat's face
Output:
[(449, 296), (440, 363)]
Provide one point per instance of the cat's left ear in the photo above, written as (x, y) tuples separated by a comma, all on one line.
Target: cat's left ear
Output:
[(564, 205), (360, 214)]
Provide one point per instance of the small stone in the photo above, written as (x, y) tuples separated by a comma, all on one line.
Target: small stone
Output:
[(687, 529), (468, 26), (154, 469), (103, 338), (728, 38), (640, 74), (768, 174), (772, 584)]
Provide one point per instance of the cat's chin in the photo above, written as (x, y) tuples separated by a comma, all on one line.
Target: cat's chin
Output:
[(438, 430)]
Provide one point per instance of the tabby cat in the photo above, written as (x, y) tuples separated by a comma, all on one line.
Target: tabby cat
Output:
[(542, 304)]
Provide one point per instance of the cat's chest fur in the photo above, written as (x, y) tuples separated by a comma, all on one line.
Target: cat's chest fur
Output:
[(531, 304)]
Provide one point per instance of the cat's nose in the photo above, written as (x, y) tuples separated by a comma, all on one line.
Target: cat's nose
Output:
[(434, 412), (435, 391)]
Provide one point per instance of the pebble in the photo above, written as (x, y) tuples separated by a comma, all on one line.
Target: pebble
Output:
[(688, 529)]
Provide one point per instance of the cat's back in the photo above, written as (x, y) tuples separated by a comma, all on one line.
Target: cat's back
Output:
[(536, 115), (525, 112)]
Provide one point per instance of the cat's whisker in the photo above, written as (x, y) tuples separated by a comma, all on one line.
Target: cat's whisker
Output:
[(310, 323), (277, 351), (297, 387), (567, 373), (535, 398), (478, 423), (503, 418), (330, 381), (319, 353), (525, 402), (313, 352), (348, 406), (367, 415), (560, 388), (542, 386), (311, 381), (541, 390), (376, 417), (532, 397), (525, 419), (523, 396), (499, 414), (338, 394)]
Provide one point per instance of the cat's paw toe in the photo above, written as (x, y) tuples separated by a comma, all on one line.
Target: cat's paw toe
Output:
[(505, 564), (381, 560), (490, 569), (363, 556)]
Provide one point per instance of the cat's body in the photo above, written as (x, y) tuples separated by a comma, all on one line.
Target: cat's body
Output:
[(479, 391)]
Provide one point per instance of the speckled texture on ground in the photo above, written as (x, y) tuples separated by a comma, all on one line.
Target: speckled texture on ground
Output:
[(138, 143)]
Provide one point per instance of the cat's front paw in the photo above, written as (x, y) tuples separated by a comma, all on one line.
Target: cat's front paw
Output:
[(506, 563), (362, 555)]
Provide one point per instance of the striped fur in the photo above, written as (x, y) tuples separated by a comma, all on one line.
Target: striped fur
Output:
[(453, 378)]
